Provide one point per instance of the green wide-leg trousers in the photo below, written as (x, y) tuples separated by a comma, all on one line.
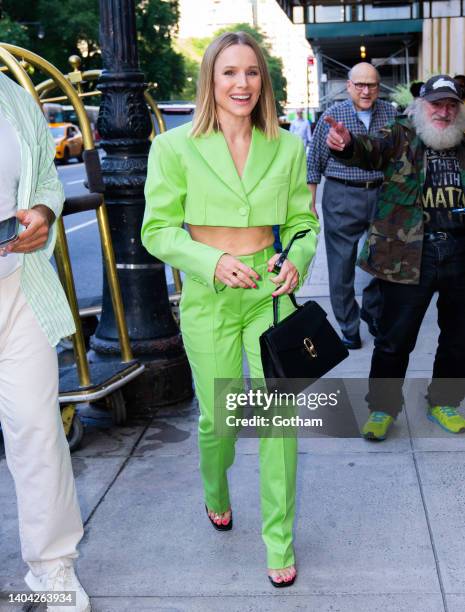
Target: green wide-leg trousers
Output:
[(216, 327)]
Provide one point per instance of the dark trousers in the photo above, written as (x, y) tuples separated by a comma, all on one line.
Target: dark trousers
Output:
[(403, 309), (347, 213)]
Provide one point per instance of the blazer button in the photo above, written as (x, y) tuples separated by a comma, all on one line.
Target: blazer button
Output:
[(243, 211)]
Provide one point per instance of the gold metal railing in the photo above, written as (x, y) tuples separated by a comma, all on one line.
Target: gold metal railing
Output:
[(9, 54)]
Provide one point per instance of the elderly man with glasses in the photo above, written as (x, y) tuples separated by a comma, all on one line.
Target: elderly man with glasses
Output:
[(349, 199)]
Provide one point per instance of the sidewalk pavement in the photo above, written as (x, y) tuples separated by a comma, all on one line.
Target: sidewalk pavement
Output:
[(380, 527)]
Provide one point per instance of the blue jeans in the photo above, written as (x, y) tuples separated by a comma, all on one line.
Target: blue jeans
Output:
[(403, 310)]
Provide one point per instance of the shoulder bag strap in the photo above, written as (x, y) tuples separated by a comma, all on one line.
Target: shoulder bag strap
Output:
[(277, 269)]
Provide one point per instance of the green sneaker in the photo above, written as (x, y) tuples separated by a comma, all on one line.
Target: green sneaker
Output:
[(448, 418), (377, 426)]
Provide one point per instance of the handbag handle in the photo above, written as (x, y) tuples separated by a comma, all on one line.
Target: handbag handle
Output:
[(277, 269)]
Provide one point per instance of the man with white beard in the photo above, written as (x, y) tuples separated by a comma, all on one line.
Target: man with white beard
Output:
[(416, 247)]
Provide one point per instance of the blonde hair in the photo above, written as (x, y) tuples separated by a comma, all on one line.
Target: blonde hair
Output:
[(264, 115)]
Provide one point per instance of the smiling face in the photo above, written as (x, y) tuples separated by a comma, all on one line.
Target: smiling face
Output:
[(441, 113), (363, 86), (237, 82)]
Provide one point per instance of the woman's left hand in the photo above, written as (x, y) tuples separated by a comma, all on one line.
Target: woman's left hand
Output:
[(37, 222), (287, 280)]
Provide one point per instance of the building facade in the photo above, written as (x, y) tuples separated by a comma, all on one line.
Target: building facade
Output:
[(404, 40), (442, 48)]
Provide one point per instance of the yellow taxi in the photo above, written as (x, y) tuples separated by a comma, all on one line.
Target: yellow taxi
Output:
[(68, 141)]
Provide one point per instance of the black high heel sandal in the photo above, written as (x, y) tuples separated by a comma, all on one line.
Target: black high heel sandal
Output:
[(283, 584), (227, 527)]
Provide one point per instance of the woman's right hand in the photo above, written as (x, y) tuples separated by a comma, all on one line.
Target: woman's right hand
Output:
[(233, 273)]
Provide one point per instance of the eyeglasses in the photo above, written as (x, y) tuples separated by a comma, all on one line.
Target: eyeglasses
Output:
[(362, 86)]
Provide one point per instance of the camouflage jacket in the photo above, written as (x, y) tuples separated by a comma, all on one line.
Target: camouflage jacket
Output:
[(394, 244)]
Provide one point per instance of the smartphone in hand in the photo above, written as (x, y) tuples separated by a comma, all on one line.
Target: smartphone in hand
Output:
[(8, 231)]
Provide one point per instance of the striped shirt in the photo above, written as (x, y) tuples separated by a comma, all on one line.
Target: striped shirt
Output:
[(38, 184), (320, 161)]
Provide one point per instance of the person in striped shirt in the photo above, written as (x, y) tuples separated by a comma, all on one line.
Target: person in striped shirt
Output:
[(34, 315)]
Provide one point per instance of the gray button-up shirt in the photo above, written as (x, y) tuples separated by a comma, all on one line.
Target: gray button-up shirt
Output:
[(320, 161)]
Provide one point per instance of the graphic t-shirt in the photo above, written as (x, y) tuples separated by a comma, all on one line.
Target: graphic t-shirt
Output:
[(442, 192)]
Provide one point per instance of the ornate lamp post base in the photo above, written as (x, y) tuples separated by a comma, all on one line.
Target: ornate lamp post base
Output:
[(167, 376), (164, 382)]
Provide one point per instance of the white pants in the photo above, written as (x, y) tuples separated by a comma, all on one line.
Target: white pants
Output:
[(37, 452)]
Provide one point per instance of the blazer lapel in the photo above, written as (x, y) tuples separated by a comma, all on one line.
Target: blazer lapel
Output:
[(215, 152), (261, 154)]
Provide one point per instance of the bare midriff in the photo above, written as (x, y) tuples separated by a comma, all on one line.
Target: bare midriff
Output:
[(234, 240)]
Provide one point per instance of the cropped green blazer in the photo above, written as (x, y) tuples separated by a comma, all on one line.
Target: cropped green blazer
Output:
[(194, 180)]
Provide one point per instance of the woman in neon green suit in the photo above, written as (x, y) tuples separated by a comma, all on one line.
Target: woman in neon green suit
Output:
[(228, 177)]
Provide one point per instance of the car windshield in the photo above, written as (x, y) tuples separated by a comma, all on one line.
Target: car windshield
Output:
[(57, 132)]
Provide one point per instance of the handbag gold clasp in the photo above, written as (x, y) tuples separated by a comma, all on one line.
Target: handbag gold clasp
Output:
[(310, 347)]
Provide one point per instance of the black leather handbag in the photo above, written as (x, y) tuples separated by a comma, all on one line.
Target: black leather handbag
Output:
[(302, 346)]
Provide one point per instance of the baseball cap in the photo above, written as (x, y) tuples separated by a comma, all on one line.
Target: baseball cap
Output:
[(440, 87)]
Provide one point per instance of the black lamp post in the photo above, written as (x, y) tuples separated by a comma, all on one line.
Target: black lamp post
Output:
[(124, 124)]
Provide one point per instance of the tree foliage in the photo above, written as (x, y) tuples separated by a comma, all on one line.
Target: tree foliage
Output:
[(191, 70), (71, 28), (13, 32), (68, 28), (161, 64)]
